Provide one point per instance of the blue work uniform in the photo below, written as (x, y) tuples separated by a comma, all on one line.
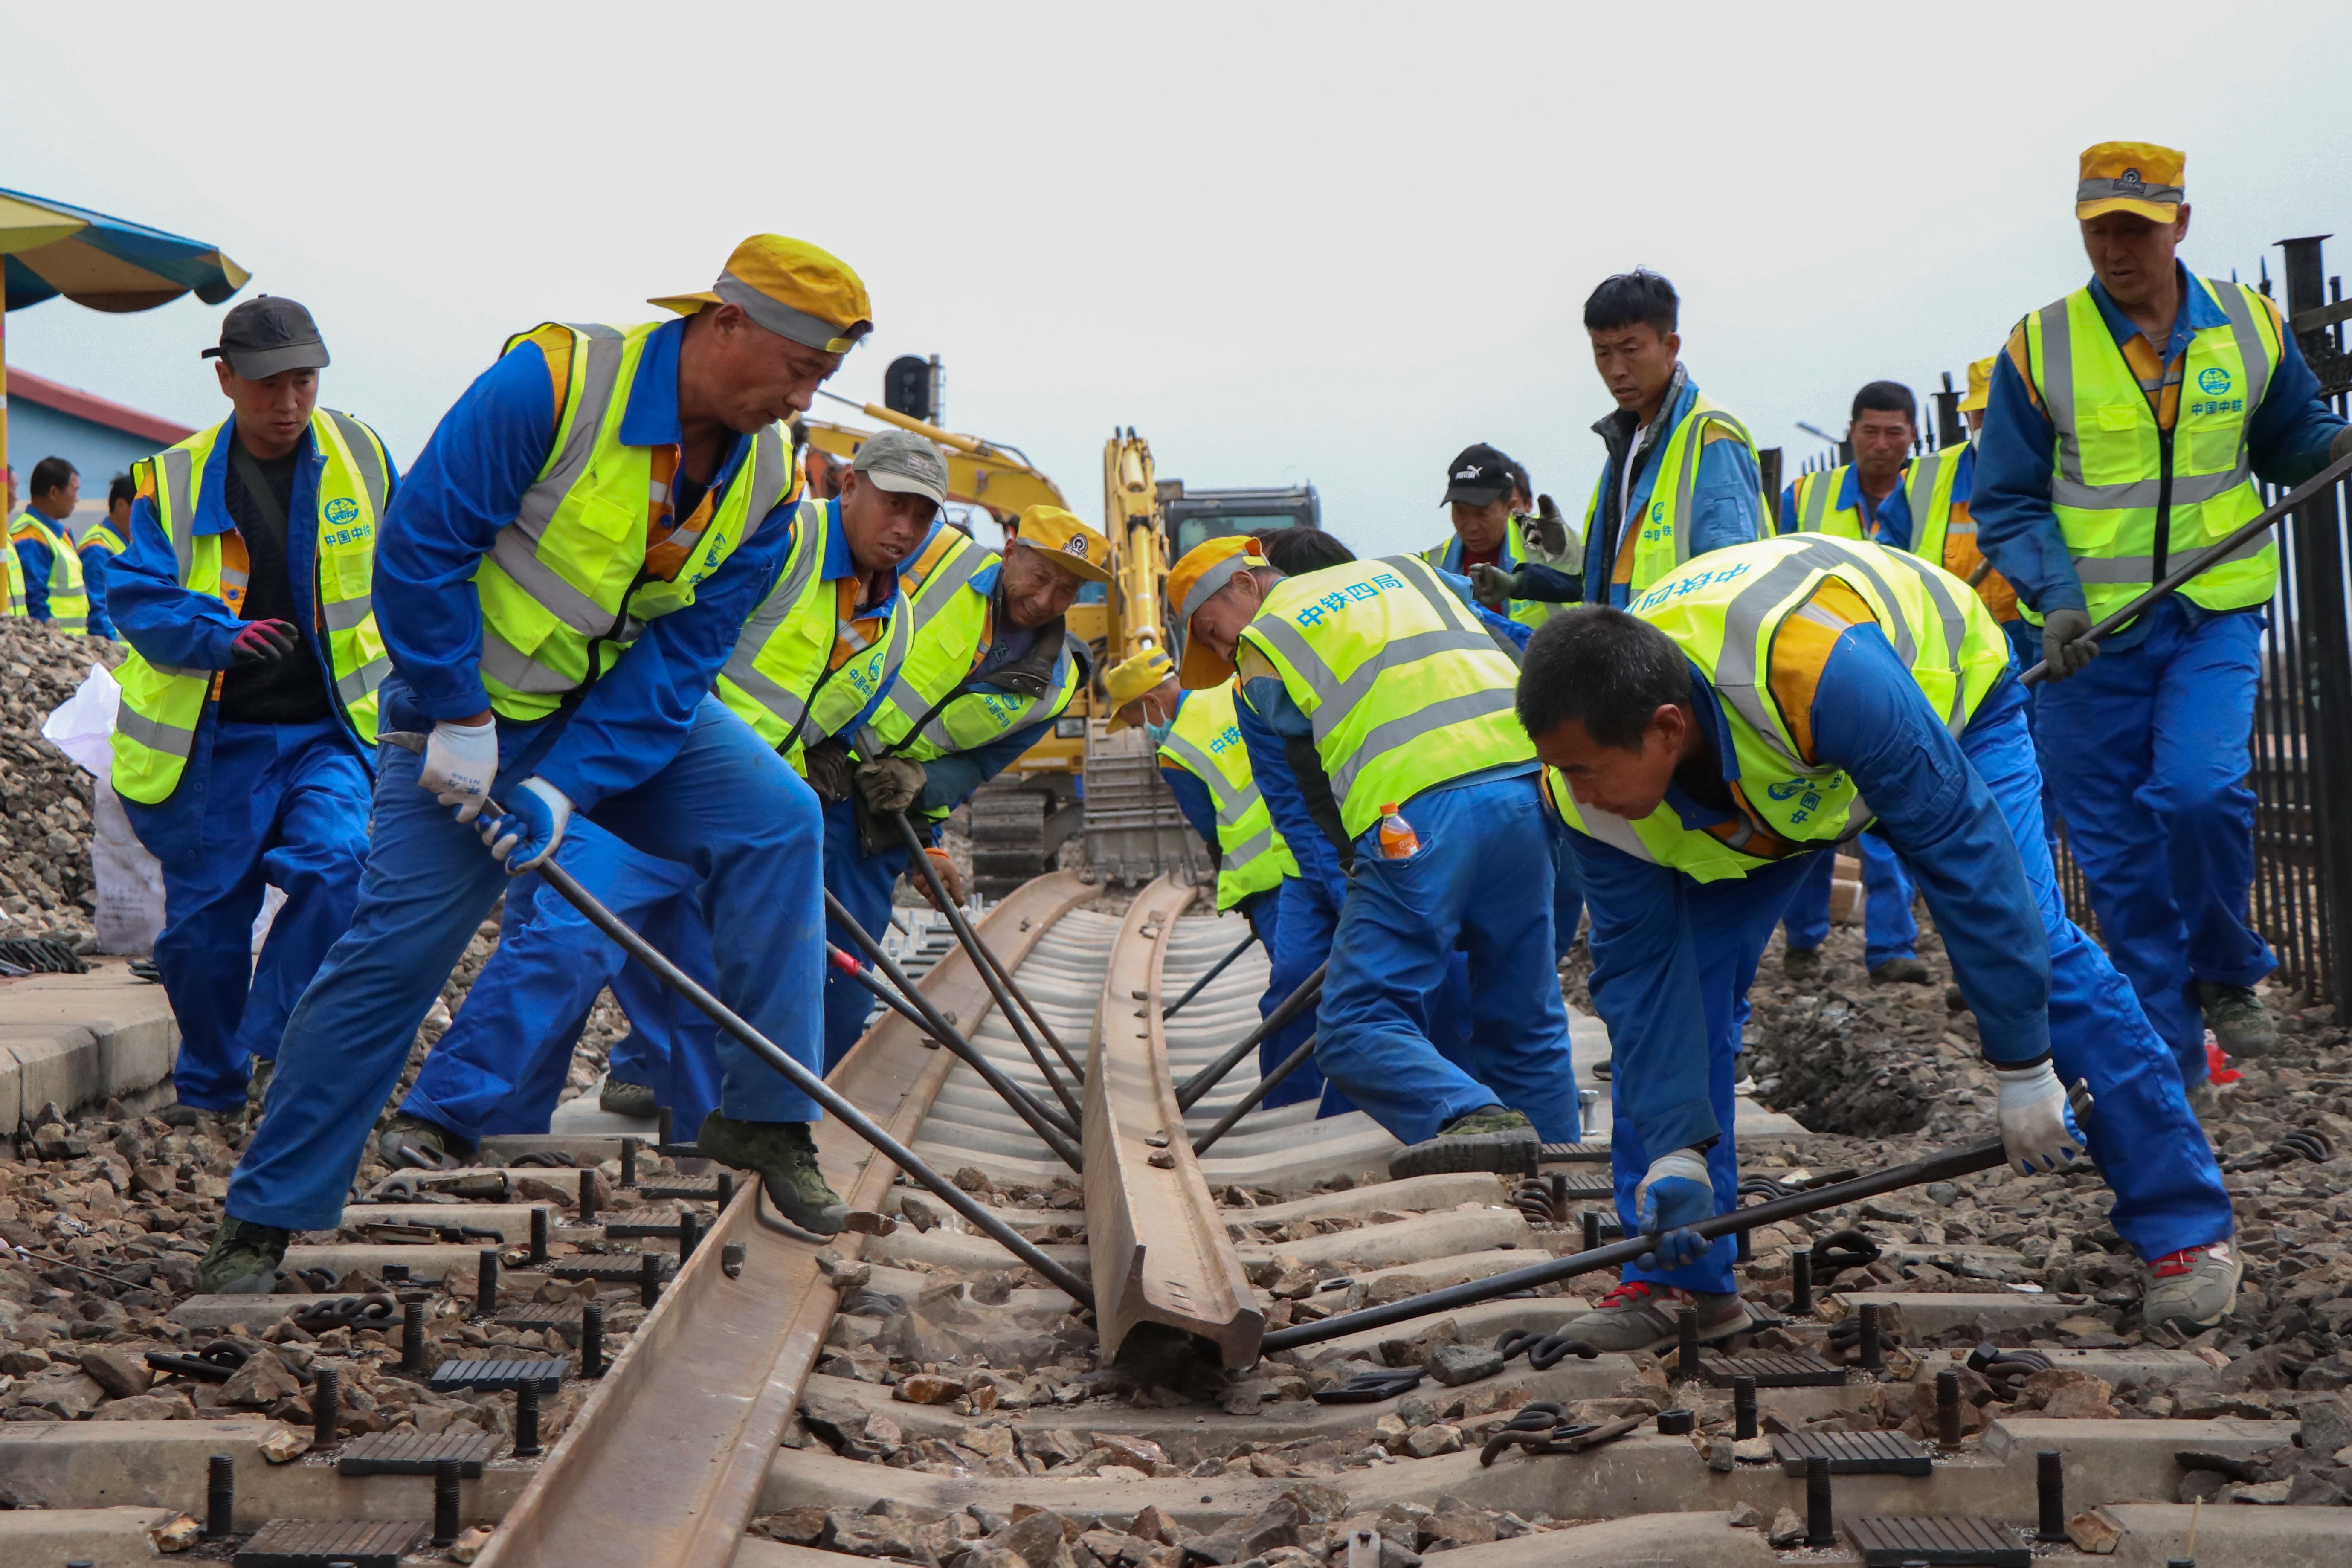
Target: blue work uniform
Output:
[(647, 753), (33, 563), (1890, 930), (1443, 995), (95, 558), (279, 803), (2147, 747), (1673, 956)]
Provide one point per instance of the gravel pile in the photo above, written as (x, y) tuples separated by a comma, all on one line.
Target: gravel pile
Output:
[(45, 798)]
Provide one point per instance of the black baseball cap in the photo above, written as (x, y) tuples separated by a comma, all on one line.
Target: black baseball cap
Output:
[(267, 334), (1481, 476)]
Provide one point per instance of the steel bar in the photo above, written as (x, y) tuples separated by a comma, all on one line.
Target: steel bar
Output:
[(1188, 1094), (1158, 1245), (883, 961), (1042, 1119), (1941, 1167), (935, 1023), (1249, 1103), (2301, 496), (808, 1083), (1218, 968), (987, 960)]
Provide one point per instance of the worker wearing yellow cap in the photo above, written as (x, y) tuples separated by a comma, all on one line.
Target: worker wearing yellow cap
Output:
[(1375, 702), (558, 581), (2130, 424)]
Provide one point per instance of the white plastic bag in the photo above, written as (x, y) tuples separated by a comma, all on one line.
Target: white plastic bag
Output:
[(82, 726), (130, 880)]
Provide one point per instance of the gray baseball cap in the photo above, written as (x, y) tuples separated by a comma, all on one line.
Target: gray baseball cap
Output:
[(903, 461), (267, 334)]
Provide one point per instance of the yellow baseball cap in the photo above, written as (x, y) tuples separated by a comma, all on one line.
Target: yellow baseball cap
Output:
[(1133, 677), (1074, 547), (2130, 177), (791, 288), (1980, 384), (1205, 568)]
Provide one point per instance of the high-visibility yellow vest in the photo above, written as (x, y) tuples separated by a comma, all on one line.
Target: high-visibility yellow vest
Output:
[(2111, 459), (155, 727), (929, 712), (102, 535), (780, 679), (1206, 742), (69, 599), (1447, 557), (1662, 533), (564, 590), (1404, 687), (15, 603), (1928, 481), (1724, 613)]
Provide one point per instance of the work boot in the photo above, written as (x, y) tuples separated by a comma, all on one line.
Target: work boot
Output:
[(1491, 1138), (1642, 1316), (633, 1101), (2193, 1289), (1801, 962), (257, 1087), (412, 1143), (783, 1155), (243, 1259), (2238, 1018), (1900, 971)]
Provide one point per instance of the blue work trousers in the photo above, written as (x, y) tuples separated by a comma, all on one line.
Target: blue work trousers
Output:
[(502, 1066), (2156, 1161), (1567, 896), (2025, 652), (2147, 751), (1305, 917), (285, 805), (1890, 930), (1481, 882), (725, 805), (863, 883)]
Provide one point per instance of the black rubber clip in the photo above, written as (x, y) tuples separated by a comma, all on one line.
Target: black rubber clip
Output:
[(1369, 1387), (1544, 1351)]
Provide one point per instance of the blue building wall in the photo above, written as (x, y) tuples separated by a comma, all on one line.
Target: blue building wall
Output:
[(98, 451)]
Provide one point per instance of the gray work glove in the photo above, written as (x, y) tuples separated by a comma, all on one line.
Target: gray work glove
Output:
[(2064, 648), (1550, 528), (1494, 587), (827, 765), (890, 783)]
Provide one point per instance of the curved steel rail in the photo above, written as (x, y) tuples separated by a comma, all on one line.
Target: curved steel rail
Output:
[(1156, 1245)]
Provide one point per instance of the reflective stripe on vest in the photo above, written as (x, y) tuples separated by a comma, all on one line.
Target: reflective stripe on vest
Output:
[(69, 599), (786, 647), (945, 629), (1381, 657), (104, 535), (1206, 742), (1664, 540), (567, 576), (2107, 481), (155, 725), (1726, 614)]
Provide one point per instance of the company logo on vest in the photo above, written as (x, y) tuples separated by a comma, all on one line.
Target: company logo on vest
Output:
[(342, 509), (2214, 382)]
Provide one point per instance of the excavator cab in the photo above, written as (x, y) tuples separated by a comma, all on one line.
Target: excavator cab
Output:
[(1195, 517)]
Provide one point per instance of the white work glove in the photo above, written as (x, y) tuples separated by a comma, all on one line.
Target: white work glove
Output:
[(1677, 1192), (2037, 1126), (461, 762), (531, 827)]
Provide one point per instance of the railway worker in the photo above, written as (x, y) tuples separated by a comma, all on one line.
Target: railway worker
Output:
[(2127, 428), (245, 741), (811, 663), (990, 668), (44, 552), (1702, 748), (567, 566), (1373, 700), (99, 543), (13, 604), (1482, 495)]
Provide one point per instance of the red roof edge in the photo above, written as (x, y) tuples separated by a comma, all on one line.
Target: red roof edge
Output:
[(98, 410)]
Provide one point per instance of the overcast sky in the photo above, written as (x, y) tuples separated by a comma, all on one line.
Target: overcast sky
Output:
[(1285, 242)]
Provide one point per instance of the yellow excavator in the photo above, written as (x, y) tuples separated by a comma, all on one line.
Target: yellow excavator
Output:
[(1081, 777)]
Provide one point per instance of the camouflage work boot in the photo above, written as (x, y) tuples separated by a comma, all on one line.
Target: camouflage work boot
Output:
[(1491, 1138), (2238, 1018), (243, 1259), (783, 1155)]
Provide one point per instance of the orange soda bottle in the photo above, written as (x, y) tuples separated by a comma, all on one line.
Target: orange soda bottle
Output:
[(1397, 840)]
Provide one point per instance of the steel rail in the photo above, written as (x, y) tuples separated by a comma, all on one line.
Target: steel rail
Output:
[(665, 1463), (1156, 1245)]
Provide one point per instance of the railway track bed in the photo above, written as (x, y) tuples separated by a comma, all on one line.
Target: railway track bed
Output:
[(913, 1391)]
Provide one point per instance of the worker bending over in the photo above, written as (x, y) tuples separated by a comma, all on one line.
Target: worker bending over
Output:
[(44, 552), (812, 659), (571, 561), (245, 739), (101, 542), (990, 668), (2130, 424), (1705, 748), (1374, 700)]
